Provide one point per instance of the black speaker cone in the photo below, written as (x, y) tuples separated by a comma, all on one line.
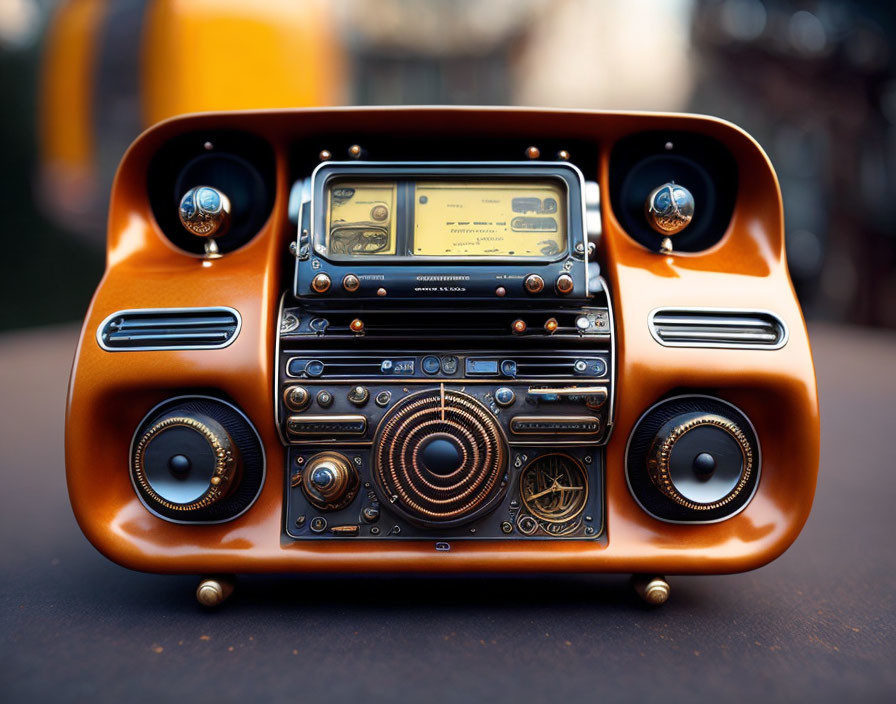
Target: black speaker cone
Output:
[(693, 458), (197, 459)]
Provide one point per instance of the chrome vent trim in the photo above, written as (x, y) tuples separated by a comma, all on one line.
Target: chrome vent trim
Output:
[(735, 328), (145, 329)]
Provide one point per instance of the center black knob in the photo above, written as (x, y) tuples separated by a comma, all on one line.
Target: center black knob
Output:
[(704, 465), (323, 478), (179, 464), (441, 456)]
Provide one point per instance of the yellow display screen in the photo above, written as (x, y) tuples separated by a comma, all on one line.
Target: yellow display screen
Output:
[(512, 218), (361, 218)]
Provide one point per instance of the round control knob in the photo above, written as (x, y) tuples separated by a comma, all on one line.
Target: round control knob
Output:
[(504, 396), (564, 284), (330, 481), (431, 364), (533, 283), (324, 398), (320, 283), (196, 460), (351, 283), (204, 211), (669, 208), (359, 395), (701, 461), (296, 398)]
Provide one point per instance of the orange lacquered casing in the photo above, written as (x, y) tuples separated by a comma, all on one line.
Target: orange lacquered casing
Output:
[(111, 392)]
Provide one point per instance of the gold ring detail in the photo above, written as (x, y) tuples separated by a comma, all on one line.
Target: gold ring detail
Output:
[(225, 463), (659, 470)]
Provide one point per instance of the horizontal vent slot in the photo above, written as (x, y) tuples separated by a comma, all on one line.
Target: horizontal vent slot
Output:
[(684, 327), (169, 329)]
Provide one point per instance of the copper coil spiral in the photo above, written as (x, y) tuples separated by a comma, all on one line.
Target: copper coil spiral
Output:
[(440, 458)]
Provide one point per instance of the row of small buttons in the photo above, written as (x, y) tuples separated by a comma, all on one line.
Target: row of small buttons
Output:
[(432, 365), (297, 398)]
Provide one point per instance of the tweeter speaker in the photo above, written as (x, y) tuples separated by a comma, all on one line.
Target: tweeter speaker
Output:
[(239, 165), (641, 163), (693, 459), (197, 460)]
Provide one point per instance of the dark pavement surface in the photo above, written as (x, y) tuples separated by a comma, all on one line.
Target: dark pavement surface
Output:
[(816, 625)]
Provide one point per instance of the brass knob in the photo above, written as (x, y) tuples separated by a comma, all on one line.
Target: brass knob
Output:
[(330, 481), (518, 326), (296, 398), (359, 395), (701, 461), (320, 283), (669, 208), (564, 284), (205, 212), (351, 283), (534, 283)]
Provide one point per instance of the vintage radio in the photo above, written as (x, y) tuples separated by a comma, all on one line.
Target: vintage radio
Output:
[(486, 340)]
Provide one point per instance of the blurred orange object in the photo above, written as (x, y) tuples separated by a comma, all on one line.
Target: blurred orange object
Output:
[(185, 56)]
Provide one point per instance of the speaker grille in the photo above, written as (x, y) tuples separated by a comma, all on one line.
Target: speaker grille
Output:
[(451, 491)]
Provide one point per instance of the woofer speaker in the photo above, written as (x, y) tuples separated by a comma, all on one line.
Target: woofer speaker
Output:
[(197, 460), (693, 459)]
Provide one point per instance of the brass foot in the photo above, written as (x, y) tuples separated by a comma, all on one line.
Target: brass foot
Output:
[(654, 590), (213, 591)]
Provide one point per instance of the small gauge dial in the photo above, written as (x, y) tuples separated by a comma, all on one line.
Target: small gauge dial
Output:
[(554, 489)]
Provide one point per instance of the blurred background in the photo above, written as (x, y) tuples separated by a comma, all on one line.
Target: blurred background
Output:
[(814, 81)]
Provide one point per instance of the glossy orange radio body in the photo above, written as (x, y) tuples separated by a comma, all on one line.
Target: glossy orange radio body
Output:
[(443, 340)]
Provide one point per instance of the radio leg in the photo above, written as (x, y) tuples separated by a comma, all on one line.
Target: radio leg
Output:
[(653, 589), (213, 591)]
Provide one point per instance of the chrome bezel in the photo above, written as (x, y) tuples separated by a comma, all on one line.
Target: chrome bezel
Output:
[(162, 348), (785, 332), (448, 261)]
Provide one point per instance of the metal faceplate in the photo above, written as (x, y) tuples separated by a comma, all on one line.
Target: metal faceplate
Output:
[(402, 276), (371, 515)]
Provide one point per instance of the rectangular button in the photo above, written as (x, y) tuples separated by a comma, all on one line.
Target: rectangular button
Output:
[(482, 367), (326, 425), (555, 425)]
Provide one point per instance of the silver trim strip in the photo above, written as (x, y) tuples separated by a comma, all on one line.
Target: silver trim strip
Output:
[(264, 460), (758, 460), (747, 319), (611, 321), (277, 418), (157, 348)]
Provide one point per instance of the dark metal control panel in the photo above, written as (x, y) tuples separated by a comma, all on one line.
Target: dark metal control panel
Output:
[(574, 512), (560, 397)]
